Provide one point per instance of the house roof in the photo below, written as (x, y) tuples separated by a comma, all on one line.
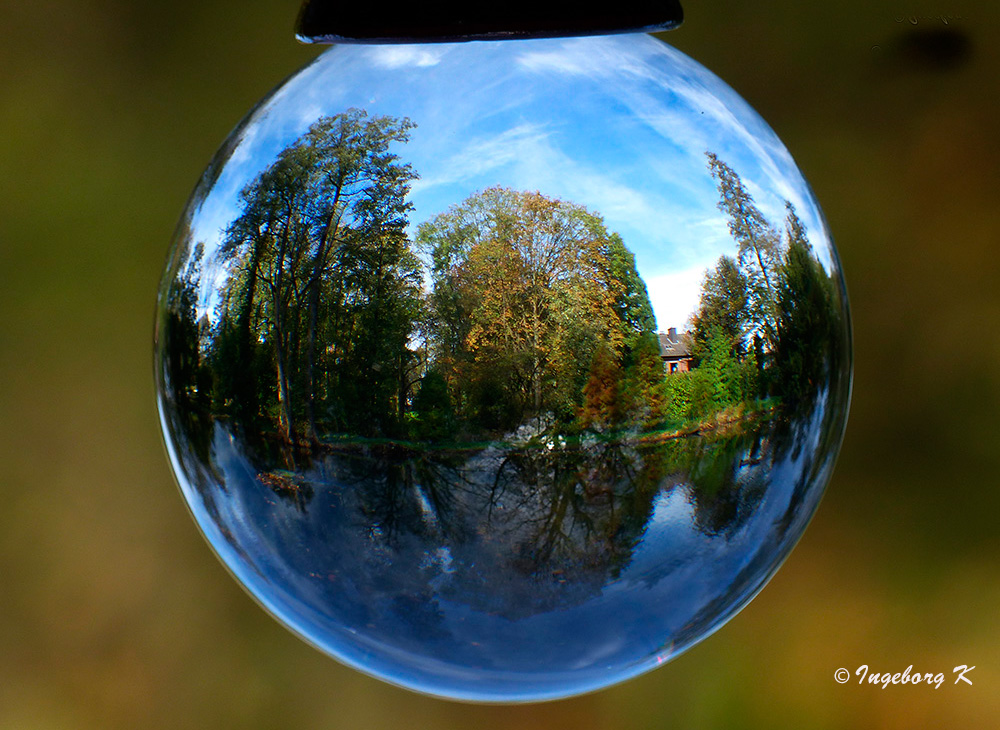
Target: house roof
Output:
[(675, 347)]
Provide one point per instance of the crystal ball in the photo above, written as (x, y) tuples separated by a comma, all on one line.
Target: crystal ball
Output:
[(503, 371)]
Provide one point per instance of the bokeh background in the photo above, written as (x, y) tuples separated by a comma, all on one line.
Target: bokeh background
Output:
[(115, 614)]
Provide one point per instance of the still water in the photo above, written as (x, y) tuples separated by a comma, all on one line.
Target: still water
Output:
[(530, 561)]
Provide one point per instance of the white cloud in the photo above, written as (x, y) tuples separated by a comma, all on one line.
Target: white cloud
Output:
[(675, 296), (594, 57), (392, 57)]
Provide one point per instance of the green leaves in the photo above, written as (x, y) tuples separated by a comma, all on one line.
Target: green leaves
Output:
[(323, 283), (535, 310), (773, 305), (526, 289)]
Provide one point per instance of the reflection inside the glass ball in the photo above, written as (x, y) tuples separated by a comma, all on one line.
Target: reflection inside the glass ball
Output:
[(503, 371)]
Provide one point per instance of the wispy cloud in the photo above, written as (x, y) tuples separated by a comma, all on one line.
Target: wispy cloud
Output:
[(600, 57), (661, 227), (392, 57), (484, 156), (618, 124)]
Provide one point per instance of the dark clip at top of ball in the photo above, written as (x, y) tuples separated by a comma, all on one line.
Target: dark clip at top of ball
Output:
[(329, 21)]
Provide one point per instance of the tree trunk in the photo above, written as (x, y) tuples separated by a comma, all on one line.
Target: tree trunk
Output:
[(315, 287), (537, 358), (284, 398), (285, 426), (246, 402)]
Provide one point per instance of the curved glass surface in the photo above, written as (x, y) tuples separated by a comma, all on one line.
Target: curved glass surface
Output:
[(503, 371)]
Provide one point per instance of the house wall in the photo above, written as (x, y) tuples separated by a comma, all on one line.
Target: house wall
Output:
[(676, 366)]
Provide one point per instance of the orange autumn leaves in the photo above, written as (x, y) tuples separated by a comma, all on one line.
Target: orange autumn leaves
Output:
[(540, 287)]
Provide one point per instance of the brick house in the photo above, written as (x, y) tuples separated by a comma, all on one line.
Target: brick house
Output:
[(675, 351)]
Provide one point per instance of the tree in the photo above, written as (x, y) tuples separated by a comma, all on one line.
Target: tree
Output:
[(756, 240), (632, 304), (359, 209), (725, 308), (602, 402), (319, 254), (432, 408), (644, 395), (807, 330), (525, 290), (186, 377)]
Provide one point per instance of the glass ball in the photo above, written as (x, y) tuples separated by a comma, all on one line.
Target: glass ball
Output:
[(503, 371)]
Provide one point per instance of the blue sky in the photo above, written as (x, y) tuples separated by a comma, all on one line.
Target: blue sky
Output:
[(619, 124)]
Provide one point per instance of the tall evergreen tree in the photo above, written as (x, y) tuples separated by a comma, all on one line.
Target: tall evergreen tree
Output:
[(757, 242), (807, 318), (724, 308)]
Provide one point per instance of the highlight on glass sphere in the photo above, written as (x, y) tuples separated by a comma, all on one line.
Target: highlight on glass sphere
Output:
[(503, 371)]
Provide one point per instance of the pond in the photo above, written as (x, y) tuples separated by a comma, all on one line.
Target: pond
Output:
[(534, 560)]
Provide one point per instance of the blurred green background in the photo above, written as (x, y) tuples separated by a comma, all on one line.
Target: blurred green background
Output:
[(115, 614)]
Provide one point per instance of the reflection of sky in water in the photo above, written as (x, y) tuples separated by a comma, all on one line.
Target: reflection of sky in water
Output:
[(618, 124), (454, 610)]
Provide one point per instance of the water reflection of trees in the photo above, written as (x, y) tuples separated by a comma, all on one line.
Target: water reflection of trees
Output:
[(542, 524), (515, 411)]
